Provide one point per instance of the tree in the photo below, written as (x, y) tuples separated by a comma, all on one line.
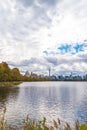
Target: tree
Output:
[(4, 71), (7, 74), (15, 74)]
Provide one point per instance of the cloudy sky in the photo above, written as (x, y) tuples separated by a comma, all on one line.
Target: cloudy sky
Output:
[(38, 34)]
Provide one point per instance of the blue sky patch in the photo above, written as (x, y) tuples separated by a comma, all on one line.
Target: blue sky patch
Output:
[(45, 52), (79, 48), (67, 48)]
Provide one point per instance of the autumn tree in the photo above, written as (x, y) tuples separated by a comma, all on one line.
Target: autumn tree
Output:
[(15, 74), (8, 74), (5, 72)]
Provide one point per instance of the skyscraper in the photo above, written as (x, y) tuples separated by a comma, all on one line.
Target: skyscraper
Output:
[(49, 71)]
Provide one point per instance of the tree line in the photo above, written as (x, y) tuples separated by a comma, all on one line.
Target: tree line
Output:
[(8, 74)]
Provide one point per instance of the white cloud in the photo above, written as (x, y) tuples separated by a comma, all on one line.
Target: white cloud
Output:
[(29, 27)]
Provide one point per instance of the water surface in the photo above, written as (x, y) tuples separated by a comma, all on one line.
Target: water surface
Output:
[(64, 100)]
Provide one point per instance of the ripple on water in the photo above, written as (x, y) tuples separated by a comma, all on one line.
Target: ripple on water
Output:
[(64, 100)]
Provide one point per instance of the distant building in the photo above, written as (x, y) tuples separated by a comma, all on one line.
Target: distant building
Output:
[(27, 74), (33, 75)]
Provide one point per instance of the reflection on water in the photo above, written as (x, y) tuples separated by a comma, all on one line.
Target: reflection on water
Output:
[(66, 100), (6, 93)]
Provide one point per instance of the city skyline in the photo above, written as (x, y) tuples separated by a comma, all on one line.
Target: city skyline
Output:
[(38, 34)]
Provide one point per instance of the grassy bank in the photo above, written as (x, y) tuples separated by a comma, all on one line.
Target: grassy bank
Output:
[(9, 84), (29, 124)]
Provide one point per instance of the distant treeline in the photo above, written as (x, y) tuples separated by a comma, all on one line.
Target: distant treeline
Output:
[(8, 74)]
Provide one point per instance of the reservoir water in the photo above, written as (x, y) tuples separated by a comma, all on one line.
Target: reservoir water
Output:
[(64, 100)]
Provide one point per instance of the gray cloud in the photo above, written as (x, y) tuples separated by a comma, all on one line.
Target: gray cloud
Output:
[(83, 55), (26, 3), (38, 9), (49, 2), (55, 61), (29, 62), (38, 65), (52, 60)]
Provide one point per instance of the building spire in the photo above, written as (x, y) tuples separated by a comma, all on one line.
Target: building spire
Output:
[(49, 71)]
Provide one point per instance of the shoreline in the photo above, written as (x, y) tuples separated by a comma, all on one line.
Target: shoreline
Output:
[(9, 83)]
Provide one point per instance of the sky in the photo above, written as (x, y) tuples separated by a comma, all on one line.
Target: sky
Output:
[(36, 35)]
